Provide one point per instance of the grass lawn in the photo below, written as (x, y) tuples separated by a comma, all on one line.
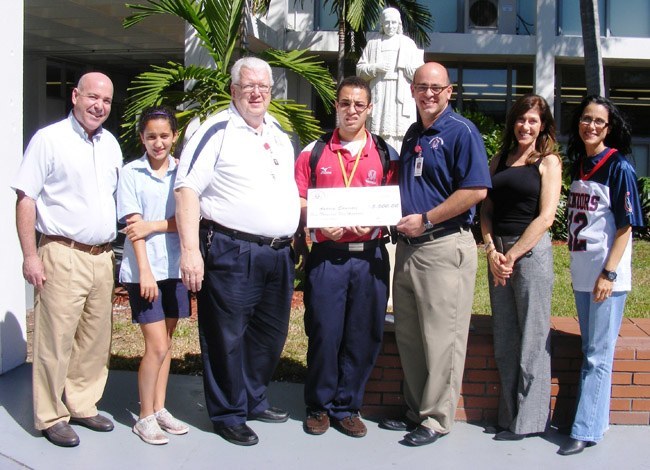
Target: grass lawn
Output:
[(128, 346), (638, 301)]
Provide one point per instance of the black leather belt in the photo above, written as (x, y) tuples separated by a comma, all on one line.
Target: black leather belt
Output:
[(352, 246), (274, 242), (435, 234)]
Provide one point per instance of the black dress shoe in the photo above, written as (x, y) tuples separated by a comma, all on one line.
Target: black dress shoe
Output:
[(272, 415), (239, 434), (61, 434), (397, 424), (496, 429), (574, 446), (96, 423), (421, 436), (506, 435)]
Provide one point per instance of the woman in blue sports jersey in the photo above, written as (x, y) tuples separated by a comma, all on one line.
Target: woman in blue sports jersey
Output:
[(603, 206)]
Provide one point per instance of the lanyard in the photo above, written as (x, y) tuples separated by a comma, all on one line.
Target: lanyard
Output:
[(348, 179), (602, 161)]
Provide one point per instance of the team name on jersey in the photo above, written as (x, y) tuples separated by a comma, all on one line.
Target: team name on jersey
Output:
[(583, 202)]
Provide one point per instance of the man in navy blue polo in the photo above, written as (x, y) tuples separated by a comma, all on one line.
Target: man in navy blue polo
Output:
[(237, 172), (347, 271), (443, 174)]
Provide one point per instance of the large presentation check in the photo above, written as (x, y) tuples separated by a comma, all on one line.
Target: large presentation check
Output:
[(347, 207)]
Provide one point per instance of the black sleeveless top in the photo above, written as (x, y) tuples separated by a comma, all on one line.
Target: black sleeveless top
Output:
[(515, 196)]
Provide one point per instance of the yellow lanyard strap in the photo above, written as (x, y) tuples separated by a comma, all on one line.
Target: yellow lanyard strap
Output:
[(348, 179)]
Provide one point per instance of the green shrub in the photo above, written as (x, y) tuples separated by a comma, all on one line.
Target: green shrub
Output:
[(489, 129)]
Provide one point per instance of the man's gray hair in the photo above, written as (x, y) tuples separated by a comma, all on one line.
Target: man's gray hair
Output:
[(252, 63)]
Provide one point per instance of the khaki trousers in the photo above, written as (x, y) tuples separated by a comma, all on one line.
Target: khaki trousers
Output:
[(72, 333), (433, 294)]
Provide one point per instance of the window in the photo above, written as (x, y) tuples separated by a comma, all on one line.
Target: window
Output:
[(324, 18), (631, 21), (485, 90), (615, 20), (489, 89), (569, 17), (629, 89), (445, 14), (572, 89), (526, 15)]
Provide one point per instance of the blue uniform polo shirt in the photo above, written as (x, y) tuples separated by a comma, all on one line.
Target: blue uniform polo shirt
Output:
[(454, 158)]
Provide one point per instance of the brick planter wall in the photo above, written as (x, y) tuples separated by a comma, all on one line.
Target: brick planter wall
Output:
[(479, 395)]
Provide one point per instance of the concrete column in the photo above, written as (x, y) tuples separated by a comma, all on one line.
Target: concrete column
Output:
[(13, 337), (545, 35)]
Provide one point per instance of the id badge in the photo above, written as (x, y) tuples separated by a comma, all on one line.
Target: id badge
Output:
[(419, 162)]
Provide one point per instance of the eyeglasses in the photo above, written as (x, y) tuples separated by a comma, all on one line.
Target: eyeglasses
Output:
[(358, 107), (435, 89), (248, 88), (95, 98), (598, 123)]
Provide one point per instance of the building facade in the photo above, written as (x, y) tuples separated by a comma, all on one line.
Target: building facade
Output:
[(497, 50)]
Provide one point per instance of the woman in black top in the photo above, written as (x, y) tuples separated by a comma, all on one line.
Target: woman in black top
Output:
[(515, 218)]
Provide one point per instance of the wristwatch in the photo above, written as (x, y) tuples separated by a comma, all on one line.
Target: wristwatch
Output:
[(425, 220), (609, 275)]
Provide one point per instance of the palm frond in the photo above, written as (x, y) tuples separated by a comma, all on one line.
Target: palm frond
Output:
[(296, 118), (205, 16), (364, 14), (188, 10), (164, 86), (416, 20), (307, 66), (223, 19)]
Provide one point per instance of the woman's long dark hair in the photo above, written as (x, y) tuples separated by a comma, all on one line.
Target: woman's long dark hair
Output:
[(620, 133), (545, 143)]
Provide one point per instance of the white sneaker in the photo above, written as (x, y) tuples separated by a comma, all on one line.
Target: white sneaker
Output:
[(149, 431), (170, 424)]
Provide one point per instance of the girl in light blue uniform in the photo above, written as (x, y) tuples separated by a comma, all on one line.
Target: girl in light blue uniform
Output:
[(150, 266)]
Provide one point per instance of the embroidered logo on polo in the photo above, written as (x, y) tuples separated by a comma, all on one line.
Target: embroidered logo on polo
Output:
[(436, 142), (372, 177), (326, 170)]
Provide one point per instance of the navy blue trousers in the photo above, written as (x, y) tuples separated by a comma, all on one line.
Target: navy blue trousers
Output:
[(243, 310), (345, 305)]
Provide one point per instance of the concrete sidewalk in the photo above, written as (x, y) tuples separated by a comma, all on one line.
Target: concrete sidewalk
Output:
[(282, 446)]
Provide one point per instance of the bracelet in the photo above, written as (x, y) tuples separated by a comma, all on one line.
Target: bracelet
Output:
[(488, 245)]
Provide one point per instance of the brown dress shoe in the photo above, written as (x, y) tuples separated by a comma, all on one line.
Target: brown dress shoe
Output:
[(352, 426), (96, 423), (61, 434), (317, 422)]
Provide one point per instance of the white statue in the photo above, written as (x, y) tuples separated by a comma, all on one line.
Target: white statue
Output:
[(389, 64)]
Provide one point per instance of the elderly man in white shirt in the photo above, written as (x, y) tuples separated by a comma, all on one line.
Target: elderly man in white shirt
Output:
[(66, 190), (236, 173)]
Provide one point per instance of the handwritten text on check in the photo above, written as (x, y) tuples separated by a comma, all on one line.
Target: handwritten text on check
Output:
[(347, 207)]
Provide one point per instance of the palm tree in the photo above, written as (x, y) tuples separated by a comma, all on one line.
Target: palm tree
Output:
[(355, 17), (218, 26), (594, 77)]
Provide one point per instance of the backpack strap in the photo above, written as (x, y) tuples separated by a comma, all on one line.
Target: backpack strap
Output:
[(319, 146), (316, 152), (384, 155)]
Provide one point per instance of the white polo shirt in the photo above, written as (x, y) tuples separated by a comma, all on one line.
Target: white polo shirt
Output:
[(141, 191), (73, 180), (244, 179)]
